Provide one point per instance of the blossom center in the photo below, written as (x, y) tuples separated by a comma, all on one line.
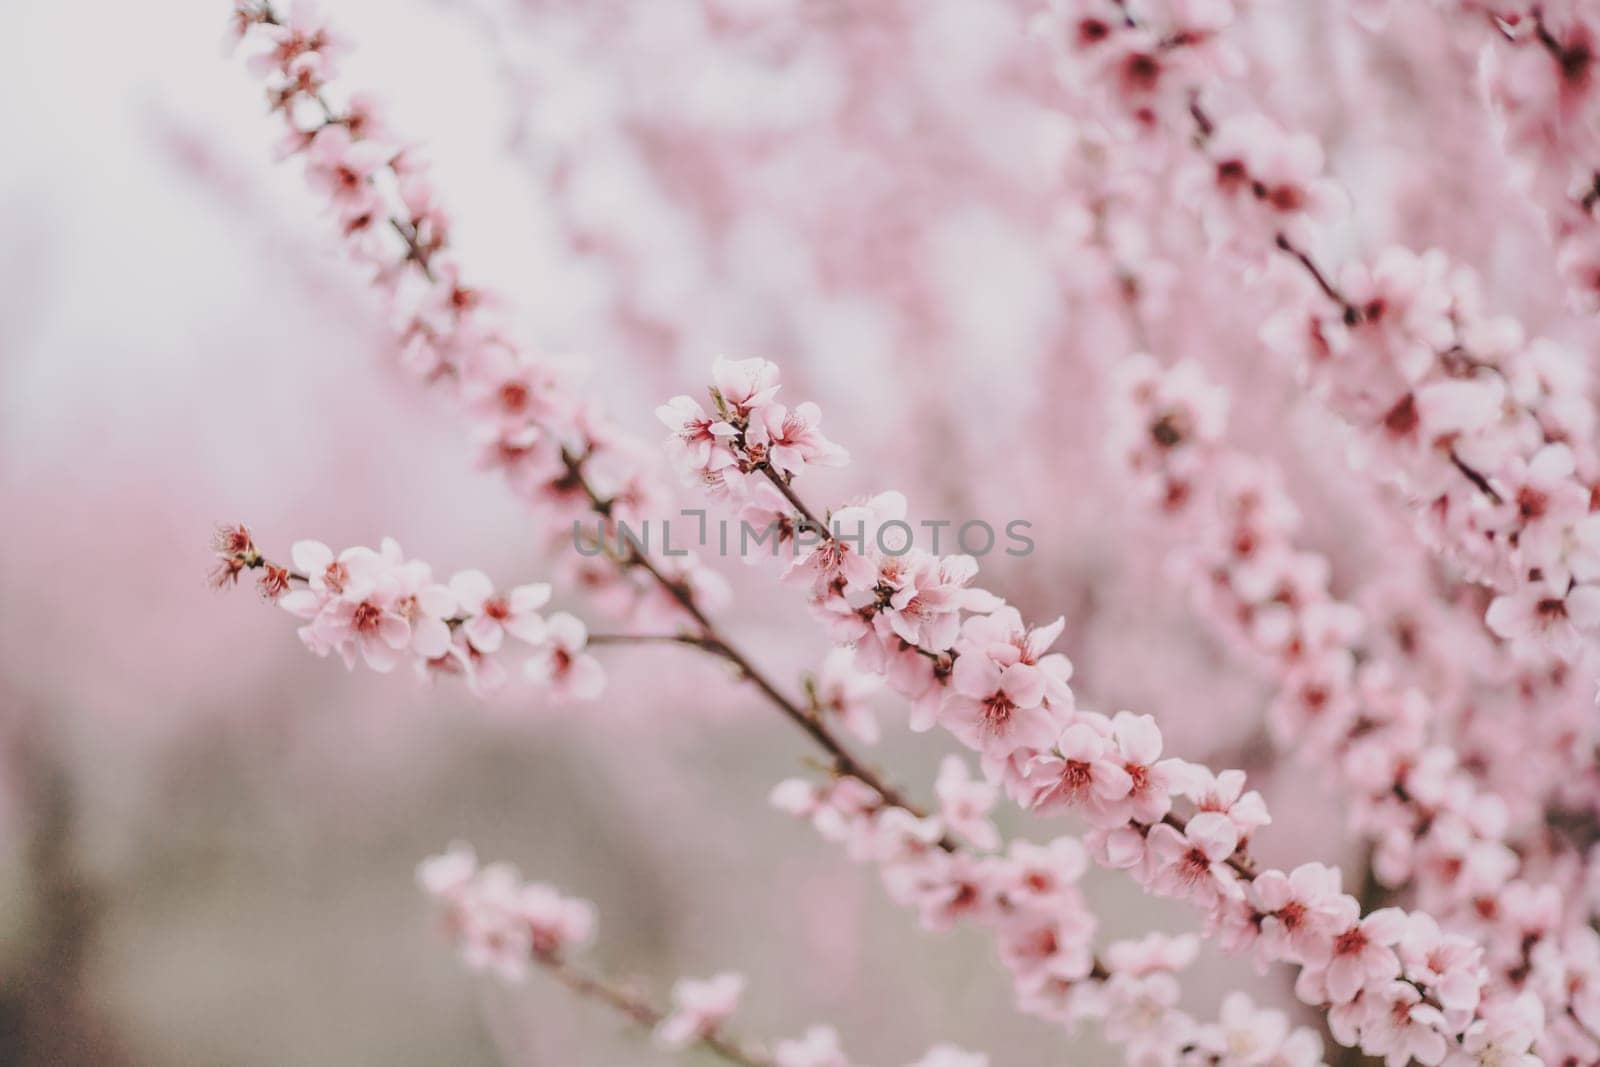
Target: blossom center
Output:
[(1351, 942), (366, 617)]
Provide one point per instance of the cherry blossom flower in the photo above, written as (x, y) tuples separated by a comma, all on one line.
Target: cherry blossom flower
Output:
[(492, 616), (965, 804), (845, 693), (1302, 912), (561, 662), (1042, 875), (1503, 1037), (996, 709), (700, 1007), (790, 440), (1245, 1033), (1402, 1029), (1194, 863), (1084, 770), (819, 1047), (1362, 954)]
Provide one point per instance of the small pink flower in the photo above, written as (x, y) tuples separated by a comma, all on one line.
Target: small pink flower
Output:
[(561, 662), (790, 440), (829, 560), (1448, 965), (556, 924), (997, 709), (1361, 955), (1301, 912), (818, 1048), (1193, 864), (1539, 615), (1002, 637), (364, 615), (341, 168), (965, 804), (699, 1008), (503, 388), (490, 616), (1503, 1037), (448, 875), (1141, 1011), (1043, 876), (925, 596), (1058, 944), (1401, 1028), (305, 33), (744, 385), (1225, 793), (1083, 771), (844, 692), (1151, 780), (1404, 307), (956, 887), (701, 444), (1246, 1034)]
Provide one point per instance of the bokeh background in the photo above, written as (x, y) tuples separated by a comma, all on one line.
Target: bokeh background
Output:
[(209, 837)]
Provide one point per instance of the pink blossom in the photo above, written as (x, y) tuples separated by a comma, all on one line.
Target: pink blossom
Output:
[(1504, 1037), (1083, 770), (1402, 1029), (447, 875), (1362, 954), (1194, 863), (998, 709), (1151, 780), (342, 168), (1226, 793), (1302, 912), (700, 1007), (364, 616), (789, 441), (965, 804), (556, 924), (925, 596), (702, 445), (561, 663), (1042, 876), (1540, 614), (1246, 1034), (1447, 964), (743, 386), (818, 1048), (491, 616), (844, 692)]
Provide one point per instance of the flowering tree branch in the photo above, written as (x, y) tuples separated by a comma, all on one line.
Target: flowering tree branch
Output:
[(505, 926)]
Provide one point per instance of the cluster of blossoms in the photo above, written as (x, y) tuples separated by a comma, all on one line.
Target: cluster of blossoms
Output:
[(1177, 828), (557, 451), (747, 433), (384, 609), (1490, 432), (1539, 78), (1027, 896), (1435, 828), (506, 927), (500, 924)]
